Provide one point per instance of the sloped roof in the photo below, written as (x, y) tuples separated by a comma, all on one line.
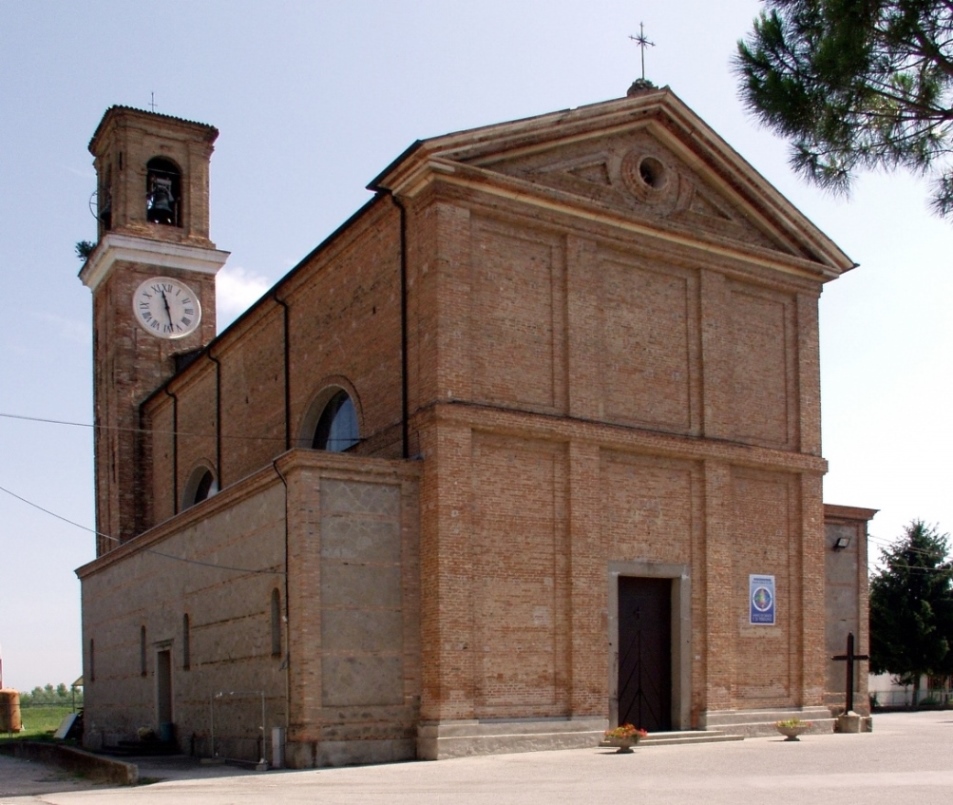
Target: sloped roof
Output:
[(118, 110)]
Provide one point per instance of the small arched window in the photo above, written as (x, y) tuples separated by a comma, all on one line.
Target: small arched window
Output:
[(337, 430), (206, 487), (163, 192), (104, 200), (202, 484)]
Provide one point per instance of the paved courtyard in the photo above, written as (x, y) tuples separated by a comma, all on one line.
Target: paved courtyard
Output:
[(907, 759)]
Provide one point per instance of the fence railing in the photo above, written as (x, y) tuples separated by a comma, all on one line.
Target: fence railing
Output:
[(903, 697)]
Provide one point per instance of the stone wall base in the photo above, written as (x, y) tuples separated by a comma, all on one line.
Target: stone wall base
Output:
[(312, 754), (446, 739)]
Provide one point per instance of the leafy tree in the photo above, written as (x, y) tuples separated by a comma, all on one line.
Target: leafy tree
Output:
[(855, 84), (60, 695), (911, 607)]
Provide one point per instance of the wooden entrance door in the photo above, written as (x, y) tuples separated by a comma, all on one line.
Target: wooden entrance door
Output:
[(645, 652)]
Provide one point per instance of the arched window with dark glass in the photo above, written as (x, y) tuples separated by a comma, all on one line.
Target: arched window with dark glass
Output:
[(163, 192), (206, 487), (200, 486), (337, 429)]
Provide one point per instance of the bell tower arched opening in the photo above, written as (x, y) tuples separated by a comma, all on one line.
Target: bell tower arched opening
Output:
[(163, 192)]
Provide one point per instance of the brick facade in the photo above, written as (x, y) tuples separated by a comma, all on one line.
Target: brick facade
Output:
[(581, 348)]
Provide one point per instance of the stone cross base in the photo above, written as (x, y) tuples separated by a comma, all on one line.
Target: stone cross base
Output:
[(853, 722)]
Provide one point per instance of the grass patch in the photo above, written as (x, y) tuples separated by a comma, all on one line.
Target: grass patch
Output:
[(39, 722)]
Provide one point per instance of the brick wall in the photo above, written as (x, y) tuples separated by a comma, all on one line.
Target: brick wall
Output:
[(846, 601), (668, 398), (348, 617)]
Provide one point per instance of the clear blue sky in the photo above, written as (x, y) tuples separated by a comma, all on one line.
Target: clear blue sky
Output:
[(312, 100)]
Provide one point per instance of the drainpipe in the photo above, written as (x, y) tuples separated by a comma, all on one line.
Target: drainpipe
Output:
[(286, 662), (287, 357), (175, 450), (218, 418), (404, 390)]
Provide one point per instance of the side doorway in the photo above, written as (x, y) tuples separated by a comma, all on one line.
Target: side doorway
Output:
[(164, 694)]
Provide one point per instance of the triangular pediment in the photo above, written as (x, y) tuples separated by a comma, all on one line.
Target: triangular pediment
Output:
[(638, 172), (648, 158)]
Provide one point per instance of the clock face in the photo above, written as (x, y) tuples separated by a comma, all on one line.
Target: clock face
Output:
[(166, 308)]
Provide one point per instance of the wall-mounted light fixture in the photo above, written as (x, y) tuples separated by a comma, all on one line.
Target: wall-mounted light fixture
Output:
[(841, 542)]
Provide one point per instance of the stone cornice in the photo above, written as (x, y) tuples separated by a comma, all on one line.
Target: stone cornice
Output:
[(114, 248), (610, 436)]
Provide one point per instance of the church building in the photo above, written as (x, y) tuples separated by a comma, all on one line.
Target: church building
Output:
[(529, 447)]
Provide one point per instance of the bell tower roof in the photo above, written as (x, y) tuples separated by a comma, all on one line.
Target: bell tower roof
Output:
[(117, 112)]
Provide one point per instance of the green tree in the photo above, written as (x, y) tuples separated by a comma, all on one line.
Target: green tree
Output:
[(856, 84), (911, 607)]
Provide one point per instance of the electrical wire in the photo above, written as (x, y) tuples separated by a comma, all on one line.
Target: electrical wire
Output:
[(118, 429), (160, 432), (199, 562)]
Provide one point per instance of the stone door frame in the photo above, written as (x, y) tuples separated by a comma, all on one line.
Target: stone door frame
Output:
[(681, 634)]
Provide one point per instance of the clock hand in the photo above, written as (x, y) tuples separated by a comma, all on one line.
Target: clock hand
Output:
[(168, 311)]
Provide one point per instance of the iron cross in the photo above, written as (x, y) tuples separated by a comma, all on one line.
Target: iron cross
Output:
[(850, 658), (643, 43)]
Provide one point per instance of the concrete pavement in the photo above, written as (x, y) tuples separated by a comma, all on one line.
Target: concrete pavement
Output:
[(908, 758)]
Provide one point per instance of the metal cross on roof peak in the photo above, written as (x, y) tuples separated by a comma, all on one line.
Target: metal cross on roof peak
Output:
[(643, 43)]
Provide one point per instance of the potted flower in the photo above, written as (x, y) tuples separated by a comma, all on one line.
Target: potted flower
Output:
[(791, 728), (625, 737)]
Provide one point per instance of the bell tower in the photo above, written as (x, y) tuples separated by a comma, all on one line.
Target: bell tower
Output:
[(152, 276)]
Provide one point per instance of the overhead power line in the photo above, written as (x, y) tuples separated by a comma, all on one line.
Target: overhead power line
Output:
[(146, 550), (159, 431)]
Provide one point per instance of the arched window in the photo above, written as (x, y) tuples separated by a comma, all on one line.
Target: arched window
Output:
[(275, 623), (206, 487), (104, 200), (201, 485), (337, 430), (163, 192)]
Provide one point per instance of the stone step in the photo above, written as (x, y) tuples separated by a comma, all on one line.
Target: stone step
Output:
[(689, 737), (684, 737), (761, 722)]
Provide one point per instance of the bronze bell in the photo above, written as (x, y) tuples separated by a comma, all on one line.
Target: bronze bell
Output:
[(160, 208)]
